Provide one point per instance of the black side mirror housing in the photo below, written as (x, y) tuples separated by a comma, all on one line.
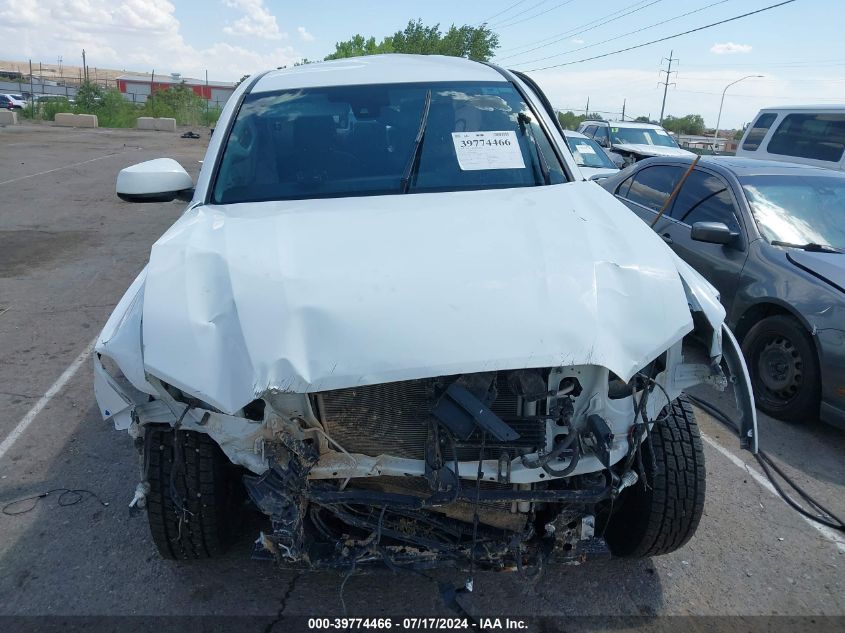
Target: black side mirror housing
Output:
[(713, 233)]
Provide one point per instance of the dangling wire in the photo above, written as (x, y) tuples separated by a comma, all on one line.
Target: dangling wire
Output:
[(824, 517), (68, 497), (475, 517), (178, 465)]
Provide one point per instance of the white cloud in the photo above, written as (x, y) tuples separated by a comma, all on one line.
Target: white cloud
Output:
[(257, 21), (729, 48), (21, 13), (577, 40), (131, 34), (304, 35)]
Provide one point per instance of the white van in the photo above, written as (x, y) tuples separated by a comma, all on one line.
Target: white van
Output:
[(813, 135)]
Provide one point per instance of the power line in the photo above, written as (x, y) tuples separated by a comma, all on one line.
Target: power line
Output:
[(792, 64), (759, 96), (536, 15), (570, 31), (531, 8), (779, 79), (568, 34), (668, 37), (503, 11), (618, 37)]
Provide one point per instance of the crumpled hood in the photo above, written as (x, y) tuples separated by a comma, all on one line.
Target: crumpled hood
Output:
[(645, 149), (312, 295), (828, 266)]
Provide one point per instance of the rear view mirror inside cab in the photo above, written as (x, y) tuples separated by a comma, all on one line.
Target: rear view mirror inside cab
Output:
[(159, 180)]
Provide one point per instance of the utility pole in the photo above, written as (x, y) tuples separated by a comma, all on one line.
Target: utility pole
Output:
[(624, 101), (587, 109), (666, 83), (84, 66)]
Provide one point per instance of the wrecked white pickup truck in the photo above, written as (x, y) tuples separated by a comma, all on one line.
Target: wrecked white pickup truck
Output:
[(396, 318)]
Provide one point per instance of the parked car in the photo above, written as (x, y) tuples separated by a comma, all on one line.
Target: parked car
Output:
[(7, 102), (394, 307), (590, 157), (811, 135), (631, 141), (47, 98), (771, 238)]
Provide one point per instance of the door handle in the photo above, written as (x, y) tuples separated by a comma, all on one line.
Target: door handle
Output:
[(667, 238)]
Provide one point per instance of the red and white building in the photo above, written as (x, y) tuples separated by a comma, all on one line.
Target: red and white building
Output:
[(137, 87)]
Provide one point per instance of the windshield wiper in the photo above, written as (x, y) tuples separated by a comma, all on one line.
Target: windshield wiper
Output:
[(527, 130), (812, 247), (413, 164)]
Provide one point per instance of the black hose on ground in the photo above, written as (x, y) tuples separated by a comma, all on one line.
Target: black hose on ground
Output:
[(827, 518)]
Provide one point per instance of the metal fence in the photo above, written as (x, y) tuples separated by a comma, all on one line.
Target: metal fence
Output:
[(66, 85), (40, 87)]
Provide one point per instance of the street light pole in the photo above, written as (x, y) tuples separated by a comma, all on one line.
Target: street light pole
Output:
[(722, 103)]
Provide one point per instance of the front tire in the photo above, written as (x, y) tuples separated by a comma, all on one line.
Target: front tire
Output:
[(202, 521), (661, 517), (784, 369)]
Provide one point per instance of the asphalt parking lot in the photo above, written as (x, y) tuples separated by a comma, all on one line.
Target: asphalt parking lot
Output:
[(69, 248)]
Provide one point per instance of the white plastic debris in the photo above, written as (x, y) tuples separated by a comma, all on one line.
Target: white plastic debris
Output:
[(140, 498)]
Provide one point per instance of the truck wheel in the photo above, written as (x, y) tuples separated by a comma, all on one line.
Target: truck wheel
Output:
[(661, 517), (203, 519), (784, 369)]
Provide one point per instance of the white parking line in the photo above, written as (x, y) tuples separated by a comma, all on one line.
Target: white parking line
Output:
[(54, 389), (760, 478), (50, 171)]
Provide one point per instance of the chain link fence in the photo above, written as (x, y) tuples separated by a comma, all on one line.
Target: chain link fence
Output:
[(102, 96)]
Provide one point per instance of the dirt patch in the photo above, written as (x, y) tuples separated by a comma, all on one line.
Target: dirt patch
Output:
[(27, 250)]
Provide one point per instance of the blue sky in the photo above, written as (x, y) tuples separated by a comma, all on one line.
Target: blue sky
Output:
[(794, 47)]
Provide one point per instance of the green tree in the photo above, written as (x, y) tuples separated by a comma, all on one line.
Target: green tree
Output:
[(178, 102), (88, 96), (570, 121), (689, 124), (113, 110), (476, 43)]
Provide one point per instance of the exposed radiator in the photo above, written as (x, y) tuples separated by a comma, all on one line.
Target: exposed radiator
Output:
[(393, 418)]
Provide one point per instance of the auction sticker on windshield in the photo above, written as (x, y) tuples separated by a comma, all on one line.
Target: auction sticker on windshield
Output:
[(584, 149), (487, 150)]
